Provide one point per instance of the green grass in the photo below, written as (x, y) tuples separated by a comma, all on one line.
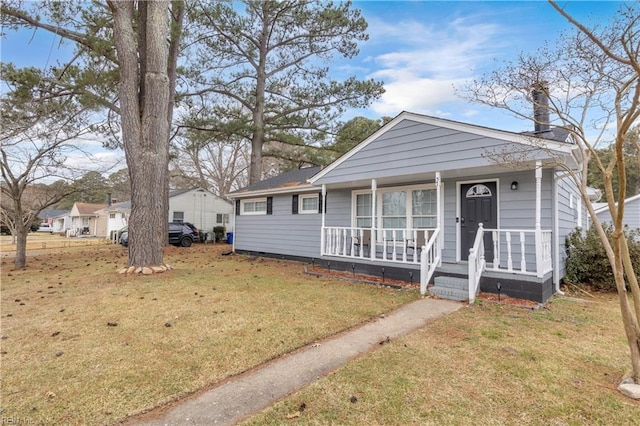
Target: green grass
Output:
[(84, 345), (485, 364)]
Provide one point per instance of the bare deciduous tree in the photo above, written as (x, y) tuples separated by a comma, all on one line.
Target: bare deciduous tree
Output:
[(591, 86)]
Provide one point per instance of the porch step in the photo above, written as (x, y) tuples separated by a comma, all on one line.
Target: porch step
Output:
[(451, 282), (449, 293), (451, 288)]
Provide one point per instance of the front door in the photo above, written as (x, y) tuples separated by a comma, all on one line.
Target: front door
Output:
[(478, 204)]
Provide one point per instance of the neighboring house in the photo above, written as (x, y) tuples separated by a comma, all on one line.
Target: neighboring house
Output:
[(427, 199), (61, 223), (86, 220), (58, 219), (631, 212), (116, 216), (198, 206), (202, 208)]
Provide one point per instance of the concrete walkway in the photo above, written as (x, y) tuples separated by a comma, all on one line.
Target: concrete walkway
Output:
[(247, 394)]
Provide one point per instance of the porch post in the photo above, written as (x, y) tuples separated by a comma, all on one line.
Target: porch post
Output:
[(538, 234), (438, 214), (322, 229), (374, 237)]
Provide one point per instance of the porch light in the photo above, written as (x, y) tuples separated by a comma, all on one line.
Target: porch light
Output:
[(514, 185)]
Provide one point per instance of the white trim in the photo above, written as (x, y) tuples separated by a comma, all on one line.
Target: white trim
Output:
[(564, 147), (274, 191), (605, 208), (301, 210), (253, 200), (458, 207)]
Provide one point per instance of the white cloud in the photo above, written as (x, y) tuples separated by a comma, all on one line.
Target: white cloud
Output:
[(421, 73)]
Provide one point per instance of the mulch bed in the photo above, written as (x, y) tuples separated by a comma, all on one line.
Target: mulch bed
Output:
[(369, 279), (376, 280)]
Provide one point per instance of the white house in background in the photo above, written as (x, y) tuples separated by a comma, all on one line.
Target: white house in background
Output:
[(61, 222), (631, 212), (58, 219), (198, 206)]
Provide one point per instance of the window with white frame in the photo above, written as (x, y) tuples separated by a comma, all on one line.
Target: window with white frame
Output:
[(423, 208), (178, 216), (222, 218), (413, 207), (112, 215), (394, 209), (362, 210), (308, 204), (253, 206)]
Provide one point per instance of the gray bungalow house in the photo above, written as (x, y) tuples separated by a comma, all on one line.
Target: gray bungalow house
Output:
[(430, 200)]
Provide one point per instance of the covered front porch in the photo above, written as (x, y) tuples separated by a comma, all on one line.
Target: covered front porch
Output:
[(490, 253)]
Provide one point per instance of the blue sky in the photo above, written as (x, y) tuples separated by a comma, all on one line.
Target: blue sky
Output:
[(420, 49)]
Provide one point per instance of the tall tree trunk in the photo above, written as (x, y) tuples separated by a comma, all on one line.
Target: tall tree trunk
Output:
[(144, 103), (21, 246)]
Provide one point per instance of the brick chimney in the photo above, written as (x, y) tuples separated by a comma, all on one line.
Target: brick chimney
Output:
[(540, 107)]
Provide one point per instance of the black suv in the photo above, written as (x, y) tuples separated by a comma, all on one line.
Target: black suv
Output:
[(181, 234)]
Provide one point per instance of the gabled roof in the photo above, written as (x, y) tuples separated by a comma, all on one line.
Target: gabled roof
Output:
[(126, 205), (88, 208), (557, 143), (291, 181), (605, 206), (51, 213)]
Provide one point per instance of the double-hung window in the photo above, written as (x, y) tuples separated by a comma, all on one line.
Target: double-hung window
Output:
[(363, 210), (254, 206), (309, 204), (423, 208)]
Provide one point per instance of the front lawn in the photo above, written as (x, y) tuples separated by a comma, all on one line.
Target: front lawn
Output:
[(84, 345), (485, 364)]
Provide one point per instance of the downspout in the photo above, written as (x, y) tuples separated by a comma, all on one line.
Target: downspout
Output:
[(556, 233), (235, 220), (322, 229)]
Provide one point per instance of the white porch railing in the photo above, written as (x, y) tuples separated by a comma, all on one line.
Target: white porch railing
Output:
[(521, 251), (390, 245), (430, 259), (477, 263)]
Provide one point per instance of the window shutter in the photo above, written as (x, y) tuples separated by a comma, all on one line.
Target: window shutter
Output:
[(237, 207), (321, 203), (294, 204), (269, 205)]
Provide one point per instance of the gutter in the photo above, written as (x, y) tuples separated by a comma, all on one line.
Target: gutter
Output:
[(274, 191)]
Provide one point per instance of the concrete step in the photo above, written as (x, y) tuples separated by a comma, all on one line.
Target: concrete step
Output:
[(452, 283), (449, 293)]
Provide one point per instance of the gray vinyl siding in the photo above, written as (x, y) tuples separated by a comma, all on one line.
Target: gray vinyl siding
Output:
[(280, 232), (567, 217), (338, 208), (631, 214), (411, 147)]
